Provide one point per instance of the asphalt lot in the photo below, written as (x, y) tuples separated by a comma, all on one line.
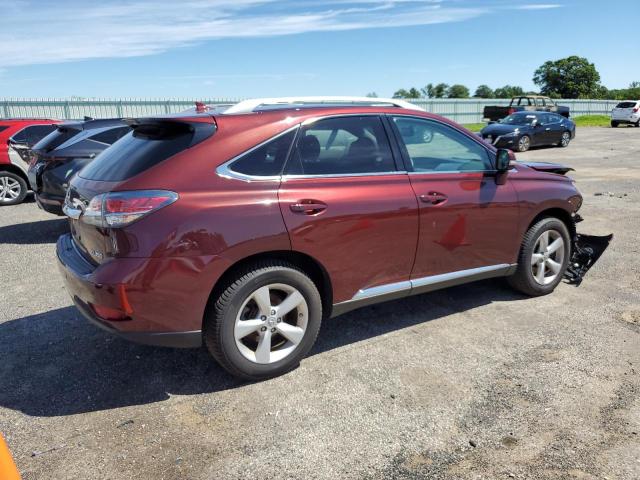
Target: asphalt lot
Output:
[(466, 383)]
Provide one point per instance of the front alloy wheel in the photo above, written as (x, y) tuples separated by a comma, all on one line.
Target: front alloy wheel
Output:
[(265, 319), (565, 139), (547, 257), (524, 143)]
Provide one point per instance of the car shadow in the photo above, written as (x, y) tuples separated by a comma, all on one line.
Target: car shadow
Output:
[(44, 231), (56, 364)]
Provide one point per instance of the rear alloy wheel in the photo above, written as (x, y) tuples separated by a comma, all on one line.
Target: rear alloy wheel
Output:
[(565, 139), (637, 124), (524, 143), (543, 258), (264, 322), (13, 188)]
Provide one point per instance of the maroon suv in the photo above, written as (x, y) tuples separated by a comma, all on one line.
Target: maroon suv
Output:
[(246, 228)]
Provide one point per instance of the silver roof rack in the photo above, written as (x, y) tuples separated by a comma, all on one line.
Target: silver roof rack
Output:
[(252, 105)]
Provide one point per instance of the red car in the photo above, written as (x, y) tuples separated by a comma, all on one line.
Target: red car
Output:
[(17, 136), (244, 229)]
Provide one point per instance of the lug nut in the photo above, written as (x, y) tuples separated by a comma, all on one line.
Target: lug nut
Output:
[(273, 312), (263, 329), (263, 318), (279, 320), (273, 330)]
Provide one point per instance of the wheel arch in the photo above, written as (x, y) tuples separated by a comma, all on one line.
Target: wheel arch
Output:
[(559, 213), (308, 264), (11, 168)]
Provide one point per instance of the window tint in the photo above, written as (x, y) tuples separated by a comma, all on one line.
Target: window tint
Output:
[(267, 160), (110, 136), (146, 146), (35, 133), (626, 105), (341, 146), (434, 147)]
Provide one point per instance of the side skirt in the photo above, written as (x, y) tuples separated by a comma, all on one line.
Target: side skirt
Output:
[(393, 291)]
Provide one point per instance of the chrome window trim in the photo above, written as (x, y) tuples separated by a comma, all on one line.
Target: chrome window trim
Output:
[(342, 175), (224, 170), (431, 280)]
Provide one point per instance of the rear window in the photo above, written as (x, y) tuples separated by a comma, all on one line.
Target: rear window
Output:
[(55, 139), (146, 146), (111, 136), (626, 105)]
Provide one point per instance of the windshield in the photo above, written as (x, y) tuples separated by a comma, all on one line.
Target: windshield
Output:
[(519, 119)]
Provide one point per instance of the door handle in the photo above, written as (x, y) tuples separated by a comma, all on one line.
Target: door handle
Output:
[(433, 198), (308, 207)]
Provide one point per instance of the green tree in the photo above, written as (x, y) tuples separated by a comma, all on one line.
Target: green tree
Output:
[(372, 95), (411, 93), (571, 77), (458, 91), (483, 91), (436, 91), (508, 91)]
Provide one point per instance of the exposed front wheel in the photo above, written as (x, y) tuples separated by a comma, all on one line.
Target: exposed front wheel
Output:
[(13, 188), (565, 139), (524, 143), (264, 322), (544, 256)]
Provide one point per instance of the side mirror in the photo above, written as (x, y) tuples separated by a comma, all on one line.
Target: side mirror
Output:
[(503, 159)]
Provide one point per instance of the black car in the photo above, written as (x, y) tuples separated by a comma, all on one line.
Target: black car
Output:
[(522, 130), (66, 151)]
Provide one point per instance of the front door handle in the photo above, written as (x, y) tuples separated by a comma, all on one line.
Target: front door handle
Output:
[(308, 207), (433, 198)]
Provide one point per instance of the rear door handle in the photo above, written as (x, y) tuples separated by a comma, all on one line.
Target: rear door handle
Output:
[(433, 198), (308, 207)]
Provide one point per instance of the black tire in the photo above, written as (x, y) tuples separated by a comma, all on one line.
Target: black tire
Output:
[(220, 318), (637, 124), (524, 143), (523, 279), (14, 180), (565, 140), (614, 124)]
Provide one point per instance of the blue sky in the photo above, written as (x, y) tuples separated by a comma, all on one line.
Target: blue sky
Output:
[(249, 48)]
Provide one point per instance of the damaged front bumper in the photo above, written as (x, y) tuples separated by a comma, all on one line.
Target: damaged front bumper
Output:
[(585, 252)]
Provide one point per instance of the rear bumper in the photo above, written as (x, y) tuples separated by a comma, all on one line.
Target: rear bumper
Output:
[(156, 317)]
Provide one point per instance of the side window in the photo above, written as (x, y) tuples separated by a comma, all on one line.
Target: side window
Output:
[(342, 146), (110, 136), (36, 133), (434, 147), (267, 160)]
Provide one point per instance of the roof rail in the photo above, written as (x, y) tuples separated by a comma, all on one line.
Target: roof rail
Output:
[(248, 106)]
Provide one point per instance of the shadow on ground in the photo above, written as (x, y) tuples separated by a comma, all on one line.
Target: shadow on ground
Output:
[(44, 231), (55, 363)]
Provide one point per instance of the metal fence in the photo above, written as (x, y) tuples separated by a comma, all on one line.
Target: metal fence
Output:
[(459, 110)]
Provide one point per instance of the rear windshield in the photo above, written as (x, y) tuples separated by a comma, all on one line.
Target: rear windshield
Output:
[(55, 139), (626, 105), (143, 148)]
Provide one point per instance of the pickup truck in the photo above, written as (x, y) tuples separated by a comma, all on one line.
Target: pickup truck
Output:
[(525, 102)]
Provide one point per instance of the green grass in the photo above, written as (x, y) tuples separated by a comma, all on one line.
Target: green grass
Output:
[(474, 127), (581, 121), (592, 121)]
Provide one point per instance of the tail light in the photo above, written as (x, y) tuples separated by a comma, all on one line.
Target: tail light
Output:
[(119, 209), (635, 110)]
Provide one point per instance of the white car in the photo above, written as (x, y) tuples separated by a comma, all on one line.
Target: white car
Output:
[(626, 112)]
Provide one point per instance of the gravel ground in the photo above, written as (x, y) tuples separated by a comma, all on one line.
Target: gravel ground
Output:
[(465, 383)]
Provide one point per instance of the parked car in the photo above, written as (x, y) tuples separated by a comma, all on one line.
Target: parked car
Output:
[(529, 103), (627, 112), (17, 136), (245, 229), (62, 153), (523, 130)]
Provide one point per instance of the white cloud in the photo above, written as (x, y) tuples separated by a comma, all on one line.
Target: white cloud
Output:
[(37, 32)]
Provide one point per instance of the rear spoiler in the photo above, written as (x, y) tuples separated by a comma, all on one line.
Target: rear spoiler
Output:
[(201, 126)]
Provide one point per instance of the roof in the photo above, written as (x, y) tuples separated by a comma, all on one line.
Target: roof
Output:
[(283, 103)]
